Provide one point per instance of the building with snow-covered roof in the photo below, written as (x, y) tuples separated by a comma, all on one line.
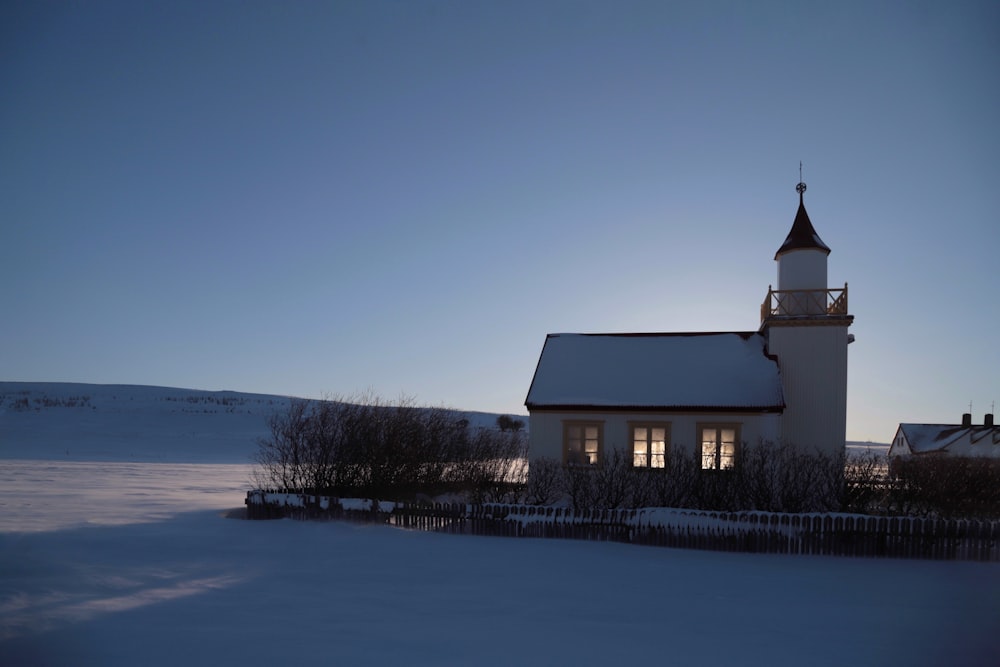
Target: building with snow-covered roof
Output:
[(963, 439), (707, 392)]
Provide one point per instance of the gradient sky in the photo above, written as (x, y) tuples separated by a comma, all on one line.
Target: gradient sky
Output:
[(314, 198)]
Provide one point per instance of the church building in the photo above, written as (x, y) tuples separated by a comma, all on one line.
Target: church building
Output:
[(646, 393)]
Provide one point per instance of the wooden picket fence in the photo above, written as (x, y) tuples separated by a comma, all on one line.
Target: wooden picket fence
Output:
[(755, 532)]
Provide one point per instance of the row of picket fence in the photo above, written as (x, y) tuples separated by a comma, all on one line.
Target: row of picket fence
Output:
[(761, 532)]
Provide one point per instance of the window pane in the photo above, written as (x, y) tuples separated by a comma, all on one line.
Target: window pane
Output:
[(574, 451), (658, 434), (639, 446), (728, 455), (657, 460), (657, 448), (729, 435), (591, 432), (708, 440), (708, 456), (574, 444)]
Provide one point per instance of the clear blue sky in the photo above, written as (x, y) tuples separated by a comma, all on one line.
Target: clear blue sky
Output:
[(314, 198)]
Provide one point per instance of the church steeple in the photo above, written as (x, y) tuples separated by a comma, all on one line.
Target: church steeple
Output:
[(802, 257), (803, 235), (806, 325)]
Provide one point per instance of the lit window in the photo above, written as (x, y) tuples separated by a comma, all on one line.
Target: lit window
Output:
[(649, 445), (582, 443), (718, 446)]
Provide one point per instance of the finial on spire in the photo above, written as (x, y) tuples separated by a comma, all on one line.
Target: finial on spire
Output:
[(801, 187)]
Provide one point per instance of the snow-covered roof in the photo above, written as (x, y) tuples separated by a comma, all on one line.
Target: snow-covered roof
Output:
[(691, 371), (802, 235), (948, 438)]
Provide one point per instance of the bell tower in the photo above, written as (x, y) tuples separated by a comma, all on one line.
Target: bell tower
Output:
[(806, 325)]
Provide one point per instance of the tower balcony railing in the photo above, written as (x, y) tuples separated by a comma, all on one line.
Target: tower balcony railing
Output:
[(790, 303)]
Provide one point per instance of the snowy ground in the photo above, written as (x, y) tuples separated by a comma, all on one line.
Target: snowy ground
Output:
[(133, 563)]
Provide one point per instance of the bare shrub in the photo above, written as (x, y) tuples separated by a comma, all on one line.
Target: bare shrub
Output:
[(715, 489), (779, 477), (487, 464), (613, 481), (371, 448), (865, 484), (578, 483), (767, 477), (545, 482), (282, 457), (508, 423), (947, 487), (673, 486)]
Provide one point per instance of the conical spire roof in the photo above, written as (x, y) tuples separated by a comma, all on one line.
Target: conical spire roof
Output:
[(802, 235)]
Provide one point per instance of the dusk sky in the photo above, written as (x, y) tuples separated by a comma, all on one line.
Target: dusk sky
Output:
[(313, 198)]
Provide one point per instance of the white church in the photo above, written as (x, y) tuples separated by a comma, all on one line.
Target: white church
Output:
[(648, 392)]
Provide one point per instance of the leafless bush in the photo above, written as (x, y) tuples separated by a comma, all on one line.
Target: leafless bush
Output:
[(715, 489), (487, 464), (778, 477), (282, 458), (767, 477), (617, 484), (947, 487), (508, 423), (545, 482), (579, 486), (674, 484), (614, 481), (371, 448), (865, 486)]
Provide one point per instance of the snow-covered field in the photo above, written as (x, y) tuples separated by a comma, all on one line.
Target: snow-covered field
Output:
[(131, 562)]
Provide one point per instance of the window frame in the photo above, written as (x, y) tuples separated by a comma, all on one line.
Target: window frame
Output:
[(649, 426), (736, 427), (567, 424)]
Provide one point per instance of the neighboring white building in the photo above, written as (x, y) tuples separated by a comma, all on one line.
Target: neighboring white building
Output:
[(712, 392), (963, 439)]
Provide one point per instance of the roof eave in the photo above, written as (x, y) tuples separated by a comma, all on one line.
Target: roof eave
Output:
[(674, 409), (534, 375)]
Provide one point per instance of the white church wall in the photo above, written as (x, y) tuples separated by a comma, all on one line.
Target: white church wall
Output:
[(546, 428), (802, 270), (813, 362)]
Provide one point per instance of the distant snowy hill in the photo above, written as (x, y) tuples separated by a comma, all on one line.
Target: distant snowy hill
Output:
[(91, 422), (94, 422), (878, 448)]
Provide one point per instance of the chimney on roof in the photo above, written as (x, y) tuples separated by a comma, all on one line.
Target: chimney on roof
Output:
[(966, 419), (988, 419)]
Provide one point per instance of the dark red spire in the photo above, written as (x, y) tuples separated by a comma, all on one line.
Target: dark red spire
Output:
[(802, 236)]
